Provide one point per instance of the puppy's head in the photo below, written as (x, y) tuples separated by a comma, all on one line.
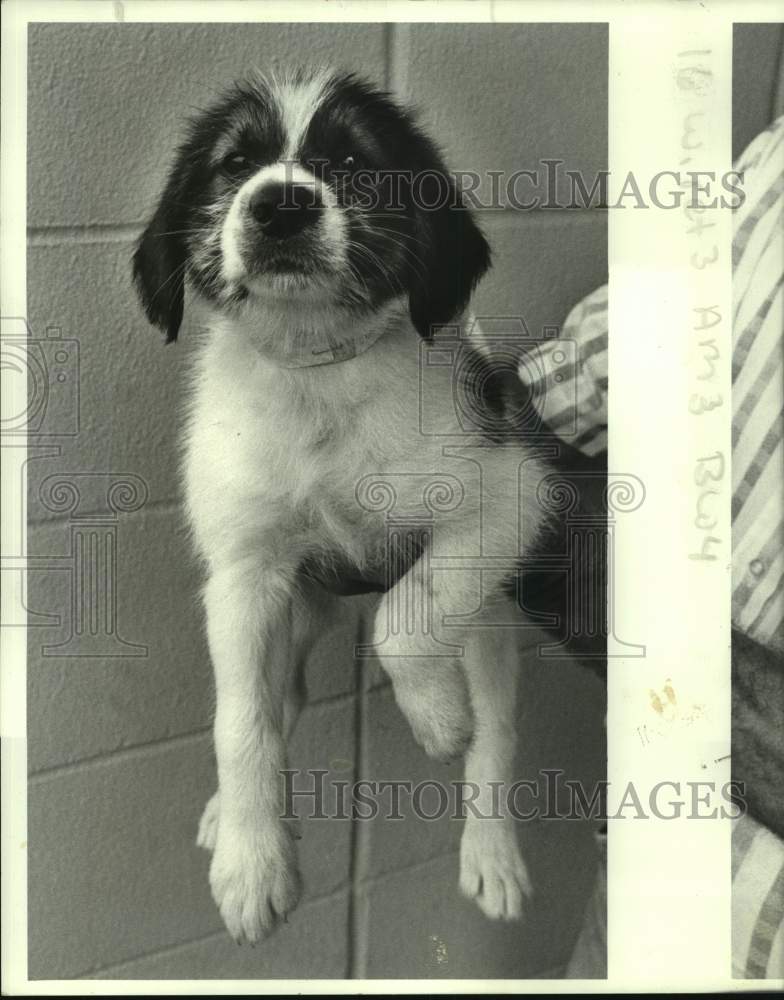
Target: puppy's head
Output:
[(315, 190)]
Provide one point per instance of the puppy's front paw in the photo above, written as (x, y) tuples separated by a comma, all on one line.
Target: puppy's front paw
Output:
[(208, 824), (433, 696), (255, 882), (492, 870)]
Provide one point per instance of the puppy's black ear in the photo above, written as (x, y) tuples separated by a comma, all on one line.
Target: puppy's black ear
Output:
[(159, 265), (455, 256)]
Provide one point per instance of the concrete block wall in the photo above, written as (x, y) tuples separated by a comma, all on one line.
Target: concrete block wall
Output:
[(119, 745)]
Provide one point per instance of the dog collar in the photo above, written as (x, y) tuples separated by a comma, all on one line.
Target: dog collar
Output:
[(309, 348), (330, 349)]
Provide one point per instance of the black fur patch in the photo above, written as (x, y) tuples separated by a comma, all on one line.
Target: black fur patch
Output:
[(416, 234), (574, 596), (173, 245)]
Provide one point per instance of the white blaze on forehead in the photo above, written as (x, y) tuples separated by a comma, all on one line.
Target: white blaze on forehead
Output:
[(297, 101), (284, 172)]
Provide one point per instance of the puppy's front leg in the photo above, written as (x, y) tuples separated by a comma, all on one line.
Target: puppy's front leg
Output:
[(253, 875), (429, 683), (492, 870), (313, 612)]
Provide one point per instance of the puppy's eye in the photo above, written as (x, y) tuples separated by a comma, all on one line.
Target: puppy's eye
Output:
[(349, 163), (235, 164)]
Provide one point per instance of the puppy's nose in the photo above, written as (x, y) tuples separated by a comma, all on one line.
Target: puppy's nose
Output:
[(284, 209)]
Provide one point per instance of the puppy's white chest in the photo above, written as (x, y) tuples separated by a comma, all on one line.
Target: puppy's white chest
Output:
[(275, 458)]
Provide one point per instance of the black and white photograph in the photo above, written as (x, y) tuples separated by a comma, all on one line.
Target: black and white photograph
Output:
[(394, 594)]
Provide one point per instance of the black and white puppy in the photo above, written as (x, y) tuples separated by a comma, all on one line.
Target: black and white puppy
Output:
[(308, 217)]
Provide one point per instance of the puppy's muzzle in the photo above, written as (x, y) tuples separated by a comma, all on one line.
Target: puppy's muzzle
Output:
[(282, 210)]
